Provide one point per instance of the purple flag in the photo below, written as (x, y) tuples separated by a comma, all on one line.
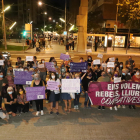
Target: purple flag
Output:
[(35, 93), (22, 77), (110, 94), (78, 67), (64, 57)]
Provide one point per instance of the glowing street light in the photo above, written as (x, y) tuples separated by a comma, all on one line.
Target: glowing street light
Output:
[(50, 18), (7, 8), (60, 26), (40, 3), (13, 25), (31, 22), (62, 19), (71, 27), (45, 13), (45, 26), (53, 20)]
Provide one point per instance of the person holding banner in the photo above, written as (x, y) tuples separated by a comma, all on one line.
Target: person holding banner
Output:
[(66, 96), (23, 104), (38, 83), (55, 94), (10, 100)]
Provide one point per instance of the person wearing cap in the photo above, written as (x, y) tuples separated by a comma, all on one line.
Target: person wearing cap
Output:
[(23, 104), (37, 82), (10, 100)]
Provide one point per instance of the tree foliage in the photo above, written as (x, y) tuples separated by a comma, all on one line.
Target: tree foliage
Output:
[(129, 13), (59, 29)]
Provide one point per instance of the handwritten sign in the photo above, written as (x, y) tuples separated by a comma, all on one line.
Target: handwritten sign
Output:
[(40, 66), (78, 67), (112, 59), (1, 62), (104, 65), (21, 77), (88, 50), (96, 62), (64, 57), (100, 56), (110, 65), (50, 66), (29, 58), (17, 69), (52, 85), (70, 85), (35, 93), (117, 79)]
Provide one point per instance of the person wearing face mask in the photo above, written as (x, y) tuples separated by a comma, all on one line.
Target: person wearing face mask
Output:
[(77, 95), (3, 82), (130, 64), (37, 82), (54, 94), (81, 59), (120, 67), (89, 60), (42, 69), (86, 79), (103, 78), (66, 96), (23, 104), (10, 101)]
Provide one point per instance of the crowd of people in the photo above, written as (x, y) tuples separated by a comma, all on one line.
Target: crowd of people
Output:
[(14, 96)]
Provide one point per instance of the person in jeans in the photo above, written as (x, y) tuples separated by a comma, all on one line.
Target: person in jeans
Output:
[(38, 83), (77, 95)]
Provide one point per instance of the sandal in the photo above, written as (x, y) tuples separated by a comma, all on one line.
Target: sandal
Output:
[(66, 109)]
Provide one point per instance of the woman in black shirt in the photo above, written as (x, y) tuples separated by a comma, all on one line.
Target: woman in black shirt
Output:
[(10, 100)]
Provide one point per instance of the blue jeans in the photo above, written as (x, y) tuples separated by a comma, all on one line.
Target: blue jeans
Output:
[(87, 100)]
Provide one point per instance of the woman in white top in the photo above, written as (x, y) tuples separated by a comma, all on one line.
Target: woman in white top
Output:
[(55, 94)]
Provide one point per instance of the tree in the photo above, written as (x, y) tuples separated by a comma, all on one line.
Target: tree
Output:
[(59, 29), (74, 30), (95, 21), (129, 14)]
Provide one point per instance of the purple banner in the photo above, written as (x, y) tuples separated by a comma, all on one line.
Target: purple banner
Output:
[(35, 93), (110, 94), (22, 77), (78, 67), (50, 66), (64, 57)]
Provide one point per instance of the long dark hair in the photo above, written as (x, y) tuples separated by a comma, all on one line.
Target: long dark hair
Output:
[(54, 74), (19, 89)]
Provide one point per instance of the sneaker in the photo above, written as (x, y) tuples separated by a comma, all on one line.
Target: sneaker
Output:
[(89, 107), (123, 106), (42, 113), (57, 113), (129, 106), (103, 108), (75, 107), (51, 112), (99, 107), (115, 107), (134, 107), (110, 108), (37, 113)]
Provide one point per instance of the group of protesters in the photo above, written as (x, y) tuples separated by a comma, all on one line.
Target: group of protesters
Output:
[(14, 96)]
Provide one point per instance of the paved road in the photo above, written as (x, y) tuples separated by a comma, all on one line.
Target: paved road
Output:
[(84, 124)]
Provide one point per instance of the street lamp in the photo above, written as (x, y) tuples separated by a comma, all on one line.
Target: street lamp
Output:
[(45, 13), (13, 25), (40, 3), (53, 20), (50, 18), (71, 27), (7, 8), (62, 19)]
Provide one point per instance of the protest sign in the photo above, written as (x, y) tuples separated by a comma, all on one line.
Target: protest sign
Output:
[(64, 57), (70, 86), (110, 94), (78, 67), (21, 77), (52, 85), (50, 66), (110, 65), (29, 58), (117, 79), (104, 65), (100, 56), (96, 62), (35, 93), (1, 62), (88, 50), (112, 59), (40, 65), (17, 69)]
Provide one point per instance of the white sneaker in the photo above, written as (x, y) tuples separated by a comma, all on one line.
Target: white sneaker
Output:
[(115, 107), (123, 106), (110, 108), (42, 113), (37, 113), (75, 107)]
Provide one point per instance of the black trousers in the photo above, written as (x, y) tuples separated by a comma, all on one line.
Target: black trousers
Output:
[(39, 104), (23, 108), (76, 100), (72, 47), (0, 101), (95, 48)]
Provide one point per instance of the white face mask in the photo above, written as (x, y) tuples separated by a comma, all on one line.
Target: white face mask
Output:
[(108, 70), (53, 77), (137, 73), (121, 65), (43, 61)]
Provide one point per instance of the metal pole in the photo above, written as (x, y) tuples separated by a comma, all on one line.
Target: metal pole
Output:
[(4, 34), (116, 25), (44, 25), (65, 18)]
